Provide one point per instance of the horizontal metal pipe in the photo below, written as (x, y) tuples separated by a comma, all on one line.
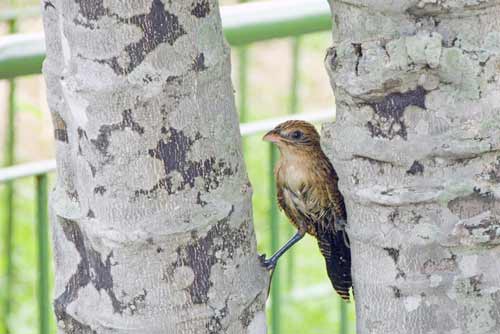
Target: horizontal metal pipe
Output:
[(27, 169), (243, 24), (259, 21), (21, 54), (21, 13)]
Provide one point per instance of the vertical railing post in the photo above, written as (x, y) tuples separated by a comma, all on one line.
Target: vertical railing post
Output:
[(344, 324), (294, 84), (293, 109), (275, 243), (242, 83), (242, 53), (9, 193), (43, 254)]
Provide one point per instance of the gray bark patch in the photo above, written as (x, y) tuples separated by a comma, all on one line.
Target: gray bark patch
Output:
[(90, 214), (61, 135), (173, 153), (249, 312), (92, 10), (470, 286), (138, 302), (416, 168), (90, 270), (199, 201), (200, 254), (201, 8), (199, 63), (396, 291), (472, 205), (60, 128), (447, 264), (105, 131), (388, 121), (82, 134), (331, 57), (358, 51), (494, 171), (393, 253), (73, 326), (47, 5), (93, 169), (393, 216), (214, 325), (73, 195), (159, 26), (100, 190)]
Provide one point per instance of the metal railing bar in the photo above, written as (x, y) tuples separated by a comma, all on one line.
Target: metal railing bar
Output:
[(294, 87), (9, 193), (44, 304), (344, 324), (21, 54), (26, 170), (242, 24), (19, 13), (257, 21), (242, 83)]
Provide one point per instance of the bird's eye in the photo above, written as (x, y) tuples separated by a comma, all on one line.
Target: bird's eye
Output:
[(296, 135)]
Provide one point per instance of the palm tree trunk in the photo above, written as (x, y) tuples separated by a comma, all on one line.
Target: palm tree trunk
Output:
[(151, 212), (417, 148)]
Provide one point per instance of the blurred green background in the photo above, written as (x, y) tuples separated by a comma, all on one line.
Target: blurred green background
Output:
[(307, 304)]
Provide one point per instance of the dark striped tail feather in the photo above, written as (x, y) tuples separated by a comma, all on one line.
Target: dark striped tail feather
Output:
[(335, 249)]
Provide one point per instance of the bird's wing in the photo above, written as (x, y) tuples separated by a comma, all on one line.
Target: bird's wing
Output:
[(337, 254), (335, 198), (293, 206), (332, 238)]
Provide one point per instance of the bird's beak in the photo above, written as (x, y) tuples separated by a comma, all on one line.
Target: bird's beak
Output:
[(272, 136)]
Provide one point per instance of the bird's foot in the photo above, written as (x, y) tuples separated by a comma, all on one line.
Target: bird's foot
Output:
[(267, 263)]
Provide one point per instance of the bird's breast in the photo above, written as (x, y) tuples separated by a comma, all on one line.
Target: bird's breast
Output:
[(295, 177)]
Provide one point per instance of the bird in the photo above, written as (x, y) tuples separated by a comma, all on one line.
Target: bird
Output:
[(307, 191)]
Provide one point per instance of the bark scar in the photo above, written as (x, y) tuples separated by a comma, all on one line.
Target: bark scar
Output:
[(90, 270), (174, 155), (388, 121), (200, 9), (105, 131), (159, 26), (202, 253)]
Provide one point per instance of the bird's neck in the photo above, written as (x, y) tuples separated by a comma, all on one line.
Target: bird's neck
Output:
[(294, 166), (299, 156)]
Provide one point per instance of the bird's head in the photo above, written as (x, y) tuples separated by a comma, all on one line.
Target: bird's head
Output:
[(294, 135)]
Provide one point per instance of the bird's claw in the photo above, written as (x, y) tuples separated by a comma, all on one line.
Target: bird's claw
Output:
[(266, 263)]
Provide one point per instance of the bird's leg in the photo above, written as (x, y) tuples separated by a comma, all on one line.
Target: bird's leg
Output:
[(270, 263)]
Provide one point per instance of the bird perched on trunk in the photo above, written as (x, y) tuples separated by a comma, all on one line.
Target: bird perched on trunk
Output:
[(307, 192)]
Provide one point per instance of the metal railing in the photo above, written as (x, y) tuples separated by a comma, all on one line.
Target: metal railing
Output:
[(243, 24)]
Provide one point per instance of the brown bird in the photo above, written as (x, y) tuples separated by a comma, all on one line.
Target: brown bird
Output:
[(307, 192)]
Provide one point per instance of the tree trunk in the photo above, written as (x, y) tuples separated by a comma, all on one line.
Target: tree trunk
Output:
[(151, 213), (417, 148)]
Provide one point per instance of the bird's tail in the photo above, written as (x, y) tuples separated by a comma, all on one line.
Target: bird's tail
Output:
[(334, 246)]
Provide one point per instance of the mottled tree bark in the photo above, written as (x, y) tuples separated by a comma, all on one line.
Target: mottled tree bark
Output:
[(417, 147), (151, 212)]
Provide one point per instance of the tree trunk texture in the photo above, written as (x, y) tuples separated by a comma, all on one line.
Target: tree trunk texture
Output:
[(417, 148), (152, 218)]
